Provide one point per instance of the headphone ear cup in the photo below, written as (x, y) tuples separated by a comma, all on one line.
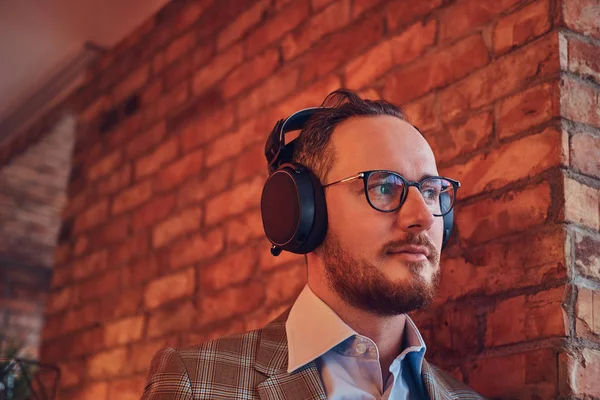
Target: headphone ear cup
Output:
[(448, 218), (293, 209)]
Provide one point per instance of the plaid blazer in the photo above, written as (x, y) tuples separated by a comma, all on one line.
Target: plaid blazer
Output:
[(253, 365)]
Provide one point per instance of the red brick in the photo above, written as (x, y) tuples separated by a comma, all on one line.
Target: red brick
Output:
[(332, 18), (268, 262), (114, 231), (124, 331), (242, 24), (150, 93), (93, 391), (92, 216), (579, 371), (582, 16), (60, 299), (195, 249), (141, 354), (132, 197), (457, 332), (230, 302), (465, 15), (512, 212), (516, 160), (275, 27), (400, 13), (62, 254), (71, 373), (243, 229), (107, 364), (284, 284), (123, 304), (177, 172), (140, 271), (579, 102), (180, 71), (525, 318), (422, 114), (226, 146), (155, 210), (584, 154), (585, 253), (583, 59), (184, 222), (312, 96), (152, 162), (500, 267), (527, 109), (251, 163), (436, 69), (211, 182), (180, 46), (214, 71), (176, 318), (400, 49), (251, 72), (129, 249), (93, 111), (214, 331), (92, 264), (131, 83), (170, 287), (148, 139), (261, 317), (341, 46), (105, 166), (207, 127), (202, 54), (581, 204), (462, 138), (100, 285), (530, 374), (234, 268), (521, 26), (587, 313), (242, 197), (85, 342), (124, 131), (189, 14), (358, 6), (127, 388), (116, 181), (274, 89), (536, 60)]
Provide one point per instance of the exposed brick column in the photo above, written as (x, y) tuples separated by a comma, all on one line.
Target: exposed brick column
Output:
[(163, 243), (32, 194)]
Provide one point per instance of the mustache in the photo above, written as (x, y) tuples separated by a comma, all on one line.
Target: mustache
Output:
[(411, 239)]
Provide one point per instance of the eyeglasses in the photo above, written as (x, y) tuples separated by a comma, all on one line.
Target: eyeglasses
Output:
[(386, 191)]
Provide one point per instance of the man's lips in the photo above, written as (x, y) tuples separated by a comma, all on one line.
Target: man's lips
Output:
[(410, 249)]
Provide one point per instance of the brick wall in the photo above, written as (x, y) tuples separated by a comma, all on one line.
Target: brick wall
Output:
[(32, 194), (163, 243)]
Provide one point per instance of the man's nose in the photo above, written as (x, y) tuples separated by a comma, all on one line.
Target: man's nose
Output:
[(414, 216)]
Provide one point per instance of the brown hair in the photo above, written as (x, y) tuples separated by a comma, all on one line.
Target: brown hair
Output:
[(312, 147)]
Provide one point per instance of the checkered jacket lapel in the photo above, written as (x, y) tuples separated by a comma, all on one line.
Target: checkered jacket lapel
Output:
[(442, 386), (272, 360)]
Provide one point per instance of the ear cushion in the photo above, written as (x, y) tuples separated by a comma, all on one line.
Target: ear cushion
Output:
[(293, 209)]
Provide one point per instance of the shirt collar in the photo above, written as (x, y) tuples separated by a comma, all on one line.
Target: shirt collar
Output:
[(308, 340)]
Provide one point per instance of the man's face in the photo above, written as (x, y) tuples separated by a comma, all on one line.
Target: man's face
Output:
[(384, 263)]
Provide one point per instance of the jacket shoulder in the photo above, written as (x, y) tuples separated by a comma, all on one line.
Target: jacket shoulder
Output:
[(447, 386)]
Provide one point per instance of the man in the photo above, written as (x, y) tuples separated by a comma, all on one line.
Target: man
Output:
[(372, 254)]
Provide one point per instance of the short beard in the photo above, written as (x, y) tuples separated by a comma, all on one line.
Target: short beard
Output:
[(364, 286)]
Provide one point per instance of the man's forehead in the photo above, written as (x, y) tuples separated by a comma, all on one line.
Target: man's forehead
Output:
[(381, 142)]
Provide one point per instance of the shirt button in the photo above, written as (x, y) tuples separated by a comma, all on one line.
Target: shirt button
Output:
[(361, 348)]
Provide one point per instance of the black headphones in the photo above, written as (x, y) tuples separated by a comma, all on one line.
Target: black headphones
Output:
[(292, 205)]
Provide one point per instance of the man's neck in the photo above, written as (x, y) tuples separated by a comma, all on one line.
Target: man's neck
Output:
[(386, 332)]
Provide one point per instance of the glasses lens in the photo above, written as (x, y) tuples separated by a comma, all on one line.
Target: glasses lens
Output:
[(385, 190), (438, 194)]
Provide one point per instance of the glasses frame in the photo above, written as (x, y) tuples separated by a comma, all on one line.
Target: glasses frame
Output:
[(364, 175)]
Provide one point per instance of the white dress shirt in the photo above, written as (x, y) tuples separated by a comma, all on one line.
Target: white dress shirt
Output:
[(349, 362)]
